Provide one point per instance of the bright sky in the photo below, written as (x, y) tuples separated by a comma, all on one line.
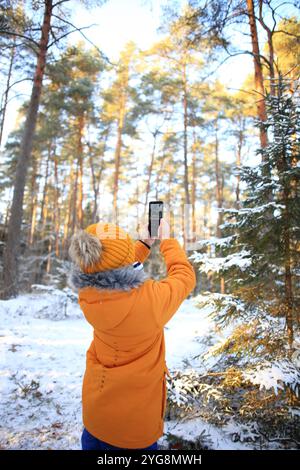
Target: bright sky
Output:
[(123, 20), (118, 21)]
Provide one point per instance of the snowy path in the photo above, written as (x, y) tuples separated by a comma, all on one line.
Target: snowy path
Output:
[(42, 365), (52, 354)]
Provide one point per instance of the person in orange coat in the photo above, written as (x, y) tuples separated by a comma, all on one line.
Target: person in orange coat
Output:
[(124, 390)]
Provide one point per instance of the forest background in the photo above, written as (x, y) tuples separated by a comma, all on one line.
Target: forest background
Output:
[(204, 117)]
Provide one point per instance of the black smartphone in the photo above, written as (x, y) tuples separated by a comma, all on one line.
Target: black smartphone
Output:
[(155, 214)]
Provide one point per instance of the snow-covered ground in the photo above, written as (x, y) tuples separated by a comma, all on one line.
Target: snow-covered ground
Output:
[(43, 339)]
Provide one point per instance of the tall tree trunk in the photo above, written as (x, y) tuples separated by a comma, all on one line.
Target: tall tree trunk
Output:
[(118, 151), (289, 301), (96, 177), (68, 212), (219, 183), (258, 74), (150, 170), (207, 235), (96, 180), (205, 220), (80, 173), (43, 214), (194, 186), (5, 100), (11, 253), (288, 285), (7, 211), (158, 176), (271, 48), (56, 206), (169, 193), (185, 138), (219, 196), (34, 205), (187, 208), (48, 266), (80, 194), (283, 167), (239, 160), (74, 199)]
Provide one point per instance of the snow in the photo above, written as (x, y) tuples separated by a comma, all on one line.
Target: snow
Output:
[(42, 366), (216, 438), (241, 260), (182, 334), (274, 376), (256, 209), (43, 342), (224, 241)]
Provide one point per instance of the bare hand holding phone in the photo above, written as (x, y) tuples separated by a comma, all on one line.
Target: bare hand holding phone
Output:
[(164, 229), (163, 232), (145, 236)]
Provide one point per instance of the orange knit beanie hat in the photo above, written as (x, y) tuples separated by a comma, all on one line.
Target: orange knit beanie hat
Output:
[(101, 247)]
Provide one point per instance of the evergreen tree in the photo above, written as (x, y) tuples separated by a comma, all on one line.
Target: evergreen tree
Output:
[(260, 253)]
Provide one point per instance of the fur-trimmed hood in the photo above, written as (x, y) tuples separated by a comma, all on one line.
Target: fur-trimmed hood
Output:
[(123, 279)]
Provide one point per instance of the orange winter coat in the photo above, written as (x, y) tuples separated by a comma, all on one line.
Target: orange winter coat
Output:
[(124, 386)]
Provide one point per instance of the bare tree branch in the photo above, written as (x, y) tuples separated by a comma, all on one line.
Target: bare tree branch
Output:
[(59, 3), (297, 36), (64, 35), (11, 33), (103, 56)]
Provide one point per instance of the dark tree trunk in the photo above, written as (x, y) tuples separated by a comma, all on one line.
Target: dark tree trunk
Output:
[(118, 151), (239, 160), (219, 195), (258, 74), (10, 265), (80, 172), (150, 169), (43, 215), (3, 108), (186, 207), (56, 207), (270, 46)]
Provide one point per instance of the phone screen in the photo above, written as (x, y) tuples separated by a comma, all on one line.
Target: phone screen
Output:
[(155, 214)]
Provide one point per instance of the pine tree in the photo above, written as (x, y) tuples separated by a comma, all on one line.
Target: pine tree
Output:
[(261, 251)]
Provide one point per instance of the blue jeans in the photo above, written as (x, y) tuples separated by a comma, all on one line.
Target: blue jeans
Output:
[(89, 442)]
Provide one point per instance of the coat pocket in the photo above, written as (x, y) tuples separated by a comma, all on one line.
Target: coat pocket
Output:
[(94, 377)]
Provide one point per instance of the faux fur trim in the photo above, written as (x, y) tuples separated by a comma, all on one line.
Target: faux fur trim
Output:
[(124, 278), (85, 249)]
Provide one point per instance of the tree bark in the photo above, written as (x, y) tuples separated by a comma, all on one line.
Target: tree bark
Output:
[(96, 180), (80, 173), (283, 167), (194, 187), (219, 183), (11, 253), (34, 204), (239, 160), (150, 169), (219, 195), (74, 199), (56, 206), (43, 215), (118, 151), (68, 212), (187, 208), (96, 177), (3, 108), (258, 74), (271, 48)]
